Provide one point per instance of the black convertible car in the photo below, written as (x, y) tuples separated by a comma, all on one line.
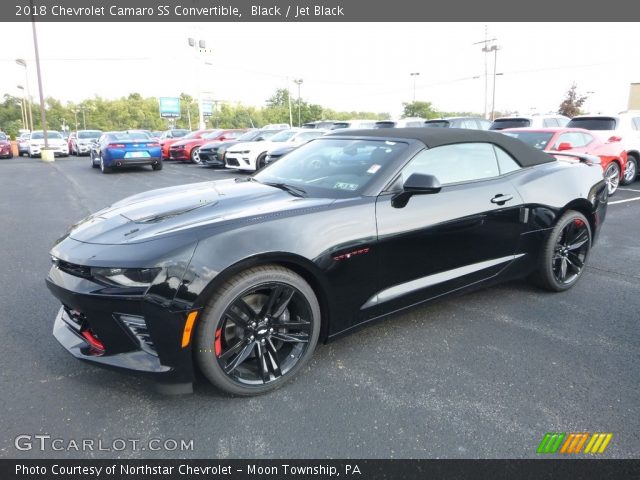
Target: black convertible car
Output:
[(243, 277)]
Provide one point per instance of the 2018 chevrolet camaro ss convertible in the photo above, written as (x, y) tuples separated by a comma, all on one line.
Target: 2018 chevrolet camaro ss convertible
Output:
[(242, 277)]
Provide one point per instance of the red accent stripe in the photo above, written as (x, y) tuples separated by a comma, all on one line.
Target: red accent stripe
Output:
[(93, 341)]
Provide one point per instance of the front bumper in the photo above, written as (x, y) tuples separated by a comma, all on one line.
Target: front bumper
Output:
[(57, 151), (178, 155), (210, 158), (95, 327), (238, 161)]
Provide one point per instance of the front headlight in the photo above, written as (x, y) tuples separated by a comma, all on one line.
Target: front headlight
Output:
[(125, 277)]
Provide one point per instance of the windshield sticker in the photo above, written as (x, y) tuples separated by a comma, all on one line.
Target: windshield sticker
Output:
[(373, 168), (346, 186)]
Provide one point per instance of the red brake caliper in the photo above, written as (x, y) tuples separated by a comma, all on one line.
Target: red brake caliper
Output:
[(218, 342)]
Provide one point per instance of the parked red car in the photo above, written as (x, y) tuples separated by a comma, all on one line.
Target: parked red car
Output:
[(165, 143), (186, 149), (5, 146), (613, 156)]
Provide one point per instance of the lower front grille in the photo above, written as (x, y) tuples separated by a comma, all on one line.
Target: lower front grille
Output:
[(137, 326), (233, 162)]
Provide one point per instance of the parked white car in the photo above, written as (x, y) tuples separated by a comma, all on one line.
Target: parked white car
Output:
[(56, 142), (252, 156), (533, 121), (623, 127)]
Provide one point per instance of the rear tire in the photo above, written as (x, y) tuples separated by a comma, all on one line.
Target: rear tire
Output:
[(564, 253), (157, 166), (631, 171), (261, 161), (612, 177), (103, 168), (243, 344)]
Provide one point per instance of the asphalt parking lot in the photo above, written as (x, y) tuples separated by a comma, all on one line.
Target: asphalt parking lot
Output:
[(480, 376)]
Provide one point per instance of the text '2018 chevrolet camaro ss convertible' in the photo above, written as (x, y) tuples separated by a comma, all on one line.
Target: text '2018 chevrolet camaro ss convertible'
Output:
[(242, 277)]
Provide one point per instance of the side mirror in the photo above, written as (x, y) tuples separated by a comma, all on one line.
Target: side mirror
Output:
[(416, 184), (615, 138), (564, 146)]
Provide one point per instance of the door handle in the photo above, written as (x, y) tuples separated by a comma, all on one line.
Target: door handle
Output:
[(501, 199)]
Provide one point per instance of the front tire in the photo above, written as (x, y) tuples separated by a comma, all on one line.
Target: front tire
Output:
[(258, 331), (195, 155), (564, 253), (261, 161), (631, 171)]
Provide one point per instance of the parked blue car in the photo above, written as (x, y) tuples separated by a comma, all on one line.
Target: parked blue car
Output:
[(125, 149)]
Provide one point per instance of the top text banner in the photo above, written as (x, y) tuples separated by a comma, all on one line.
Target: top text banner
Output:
[(316, 11)]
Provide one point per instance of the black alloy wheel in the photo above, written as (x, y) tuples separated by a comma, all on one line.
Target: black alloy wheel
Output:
[(258, 330), (565, 253), (261, 161)]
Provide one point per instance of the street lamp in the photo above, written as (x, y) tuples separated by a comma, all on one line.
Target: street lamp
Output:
[(28, 113), (298, 81), (414, 75), (84, 119), (200, 45), (23, 109)]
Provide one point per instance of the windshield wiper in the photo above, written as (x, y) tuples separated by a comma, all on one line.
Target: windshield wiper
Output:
[(295, 191)]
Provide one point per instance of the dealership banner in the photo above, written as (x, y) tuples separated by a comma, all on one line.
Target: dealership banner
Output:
[(318, 469), (314, 11)]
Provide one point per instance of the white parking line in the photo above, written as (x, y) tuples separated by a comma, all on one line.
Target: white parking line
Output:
[(629, 190), (625, 201)]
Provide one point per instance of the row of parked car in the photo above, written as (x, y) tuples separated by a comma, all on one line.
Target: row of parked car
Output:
[(615, 139)]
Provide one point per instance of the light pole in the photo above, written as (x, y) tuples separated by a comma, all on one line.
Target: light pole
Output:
[(43, 113), (494, 49), (201, 45), (84, 119), (28, 112), (486, 49), (298, 81), (414, 75), (23, 109)]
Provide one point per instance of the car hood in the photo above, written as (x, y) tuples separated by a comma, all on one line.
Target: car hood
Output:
[(52, 141), (4, 143), (262, 146), (186, 142), (167, 211)]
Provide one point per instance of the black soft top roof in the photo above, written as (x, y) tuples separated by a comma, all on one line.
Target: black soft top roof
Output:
[(524, 154)]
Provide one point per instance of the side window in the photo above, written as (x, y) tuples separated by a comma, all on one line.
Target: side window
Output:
[(576, 140), (586, 138), (636, 123), (506, 163), (462, 162)]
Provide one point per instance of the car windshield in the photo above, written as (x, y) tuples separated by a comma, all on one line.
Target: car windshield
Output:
[(50, 135), (587, 123), (250, 135), (501, 124), (283, 136), (139, 134), (539, 140), (89, 134), (332, 168), (179, 133), (3, 136), (129, 137), (437, 124), (212, 135)]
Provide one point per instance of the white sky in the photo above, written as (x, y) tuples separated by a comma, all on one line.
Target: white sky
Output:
[(345, 66)]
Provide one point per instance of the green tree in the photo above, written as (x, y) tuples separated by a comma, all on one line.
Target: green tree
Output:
[(572, 102), (419, 109)]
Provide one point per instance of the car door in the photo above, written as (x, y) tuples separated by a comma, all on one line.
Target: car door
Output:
[(440, 242)]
